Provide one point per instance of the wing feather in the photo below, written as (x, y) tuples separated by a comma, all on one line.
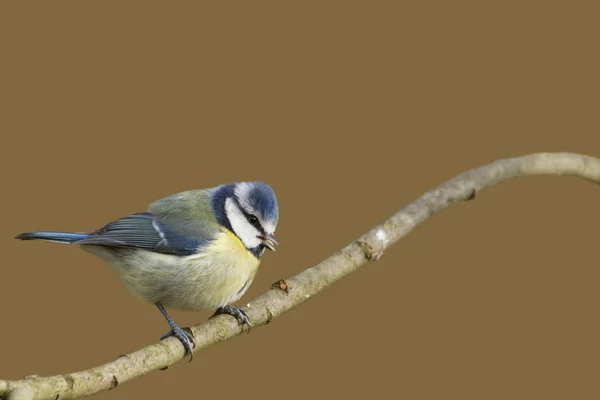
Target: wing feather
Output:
[(144, 231)]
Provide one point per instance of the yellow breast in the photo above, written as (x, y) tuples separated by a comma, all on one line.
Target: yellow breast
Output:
[(222, 272)]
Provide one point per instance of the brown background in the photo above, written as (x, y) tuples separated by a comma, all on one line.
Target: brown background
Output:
[(350, 111)]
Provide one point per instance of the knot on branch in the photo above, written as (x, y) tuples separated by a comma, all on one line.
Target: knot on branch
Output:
[(471, 195), (114, 382), (370, 254), (281, 285)]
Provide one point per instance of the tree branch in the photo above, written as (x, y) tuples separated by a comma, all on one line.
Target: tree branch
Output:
[(287, 294)]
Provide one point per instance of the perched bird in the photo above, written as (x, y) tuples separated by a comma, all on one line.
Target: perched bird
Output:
[(193, 250)]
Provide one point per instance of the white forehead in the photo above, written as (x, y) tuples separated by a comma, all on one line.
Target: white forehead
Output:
[(242, 192)]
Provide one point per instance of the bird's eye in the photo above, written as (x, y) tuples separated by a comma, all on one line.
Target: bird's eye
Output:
[(252, 219)]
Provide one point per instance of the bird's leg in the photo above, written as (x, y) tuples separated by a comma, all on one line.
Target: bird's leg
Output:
[(238, 313), (186, 338)]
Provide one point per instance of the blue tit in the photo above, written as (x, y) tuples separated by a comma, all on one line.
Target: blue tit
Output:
[(193, 250)]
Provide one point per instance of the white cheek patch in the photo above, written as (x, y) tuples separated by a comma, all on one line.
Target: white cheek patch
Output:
[(241, 227)]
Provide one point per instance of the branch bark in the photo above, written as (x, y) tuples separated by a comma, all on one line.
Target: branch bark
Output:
[(291, 292)]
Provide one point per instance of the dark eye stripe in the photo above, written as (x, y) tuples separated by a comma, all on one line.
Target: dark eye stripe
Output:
[(253, 220), (247, 215)]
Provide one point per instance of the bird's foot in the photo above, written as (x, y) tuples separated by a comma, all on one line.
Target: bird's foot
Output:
[(238, 313), (184, 336)]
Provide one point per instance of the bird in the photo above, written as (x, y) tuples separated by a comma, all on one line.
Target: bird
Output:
[(194, 250)]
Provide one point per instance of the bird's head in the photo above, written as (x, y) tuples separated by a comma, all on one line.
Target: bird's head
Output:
[(252, 211)]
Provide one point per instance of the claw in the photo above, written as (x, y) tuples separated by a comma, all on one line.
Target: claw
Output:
[(239, 314), (185, 337)]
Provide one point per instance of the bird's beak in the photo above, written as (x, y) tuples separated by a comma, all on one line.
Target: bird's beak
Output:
[(268, 241)]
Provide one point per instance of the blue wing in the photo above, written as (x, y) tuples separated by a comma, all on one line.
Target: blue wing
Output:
[(144, 231)]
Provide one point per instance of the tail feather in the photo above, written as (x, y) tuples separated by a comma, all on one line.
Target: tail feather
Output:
[(60, 237)]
